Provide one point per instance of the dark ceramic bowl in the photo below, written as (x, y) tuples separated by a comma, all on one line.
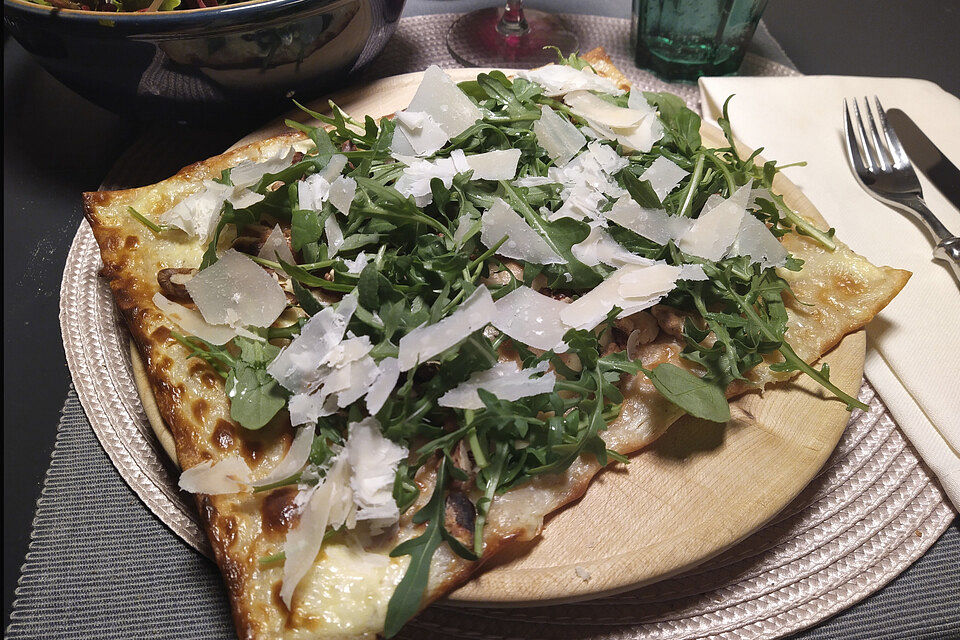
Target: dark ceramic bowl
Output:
[(231, 63)]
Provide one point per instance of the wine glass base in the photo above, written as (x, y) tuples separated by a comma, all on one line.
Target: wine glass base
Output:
[(475, 41)]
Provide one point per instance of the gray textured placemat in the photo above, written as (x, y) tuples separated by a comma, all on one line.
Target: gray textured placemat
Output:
[(102, 566)]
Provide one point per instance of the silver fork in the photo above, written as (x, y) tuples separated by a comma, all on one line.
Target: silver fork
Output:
[(885, 172)]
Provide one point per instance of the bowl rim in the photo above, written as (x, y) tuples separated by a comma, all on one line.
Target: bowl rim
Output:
[(154, 17)]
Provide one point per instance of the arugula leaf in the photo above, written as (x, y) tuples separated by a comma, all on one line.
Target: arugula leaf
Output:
[(255, 397), (319, 135), (691, 393), (681, 124), (303, 276), (407, 597), (305, 228), (147, 222), (640, 190), (225, 174), (308, 302)]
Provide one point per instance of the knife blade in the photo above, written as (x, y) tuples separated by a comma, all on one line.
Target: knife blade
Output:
[(925, 156)]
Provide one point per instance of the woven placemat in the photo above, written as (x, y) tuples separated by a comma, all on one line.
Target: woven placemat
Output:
[(868, 515)]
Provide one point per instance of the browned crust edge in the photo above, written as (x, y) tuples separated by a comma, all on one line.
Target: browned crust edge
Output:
[(136, 307)]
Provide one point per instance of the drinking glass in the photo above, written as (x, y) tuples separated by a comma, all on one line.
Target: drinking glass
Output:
[(509, 36), (686, 39)]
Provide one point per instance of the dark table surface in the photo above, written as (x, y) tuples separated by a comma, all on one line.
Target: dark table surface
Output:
[(56, 145)]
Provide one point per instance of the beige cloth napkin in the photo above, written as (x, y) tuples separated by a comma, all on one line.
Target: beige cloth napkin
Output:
[(913, 353)]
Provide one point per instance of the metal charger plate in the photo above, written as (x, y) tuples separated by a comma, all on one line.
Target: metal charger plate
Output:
[(870, 512)]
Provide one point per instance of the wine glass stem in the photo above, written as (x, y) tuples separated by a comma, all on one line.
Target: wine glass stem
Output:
[(512, 23)]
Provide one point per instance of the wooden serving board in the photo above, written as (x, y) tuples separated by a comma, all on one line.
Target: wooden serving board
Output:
[(696, 491)]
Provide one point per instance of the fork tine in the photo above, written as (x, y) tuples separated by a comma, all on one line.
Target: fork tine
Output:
[(882, 155), (865, 149), (853, 148), (900, 158)]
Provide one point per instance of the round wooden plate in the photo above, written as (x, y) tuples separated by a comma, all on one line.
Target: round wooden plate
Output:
[(696, 491)]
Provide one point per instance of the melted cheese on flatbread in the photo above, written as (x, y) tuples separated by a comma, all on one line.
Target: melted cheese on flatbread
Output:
[(345, 593)]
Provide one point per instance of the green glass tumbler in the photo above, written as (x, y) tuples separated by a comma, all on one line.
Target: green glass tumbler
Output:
[(686, 39)]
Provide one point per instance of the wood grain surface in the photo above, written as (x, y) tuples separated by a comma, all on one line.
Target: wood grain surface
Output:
[(696, 491)]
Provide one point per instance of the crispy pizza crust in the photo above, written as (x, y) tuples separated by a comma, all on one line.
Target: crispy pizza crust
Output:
[(343, 596)]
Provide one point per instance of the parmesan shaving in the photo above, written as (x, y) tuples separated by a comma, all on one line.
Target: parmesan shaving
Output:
[(755, 240), (609, 161), (653, 224), (293, 461), (494, 165), (415, 179), (632, 288), (523, 242), (326, 371), (440, 98), (558, 136), (465, 229), (418, 134), (362, 374), (237, 291), (192, 322), (638, 102), (249, 173), (641, 137), (229, 475), (357, 487), (664, 175), (600, 247), (307, 408), (692, 272), (532, 318), (312, 192), (356, 265), (587, 182), (243, 198), (712, 234), (592, 107), (426, 341), (329, 504), (558, 79), (296, 367), (504, 380), (373, 461), (342, 191), (334, 235), (197, 214), (334, 168), (388, 373), (276, 247), (636, 127), (534, 181)]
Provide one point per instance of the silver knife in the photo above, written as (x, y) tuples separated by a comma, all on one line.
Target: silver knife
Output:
[(925, 156)]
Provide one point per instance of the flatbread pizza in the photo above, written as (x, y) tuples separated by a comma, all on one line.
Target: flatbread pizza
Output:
[(387, 349)]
